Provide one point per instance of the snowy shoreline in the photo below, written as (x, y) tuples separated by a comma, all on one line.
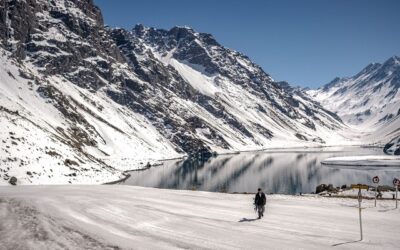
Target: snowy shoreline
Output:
[(365, 160)]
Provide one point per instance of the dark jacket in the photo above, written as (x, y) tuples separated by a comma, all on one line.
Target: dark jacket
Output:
[(260, 200)]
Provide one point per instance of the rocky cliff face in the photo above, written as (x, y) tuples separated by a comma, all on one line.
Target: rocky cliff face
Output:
[(91, 101)]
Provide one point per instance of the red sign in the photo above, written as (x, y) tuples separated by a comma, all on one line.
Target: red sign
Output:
[(396, 182), (375, 179)]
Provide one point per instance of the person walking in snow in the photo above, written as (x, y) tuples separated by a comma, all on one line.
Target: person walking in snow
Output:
[(259, 201)]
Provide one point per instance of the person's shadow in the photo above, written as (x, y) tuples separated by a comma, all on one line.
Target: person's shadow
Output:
[(348, 242), (247, 220)]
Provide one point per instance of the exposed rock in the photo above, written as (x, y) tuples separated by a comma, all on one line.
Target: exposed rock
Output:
[(331, 188), (69, 162), (321, 188), (13, 180), (393, 147)]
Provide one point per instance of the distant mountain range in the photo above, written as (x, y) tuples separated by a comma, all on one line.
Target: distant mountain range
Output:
[(368, 101)]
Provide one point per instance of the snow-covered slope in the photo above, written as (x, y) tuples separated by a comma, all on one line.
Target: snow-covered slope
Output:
[(126, 217), (58, 122), (55, 132), (368, 101), (81, 102)]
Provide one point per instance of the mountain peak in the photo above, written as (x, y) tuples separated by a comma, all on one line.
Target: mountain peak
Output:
[(368, 69), (392, 61), (180, 32), (180, 27), (139, 26)]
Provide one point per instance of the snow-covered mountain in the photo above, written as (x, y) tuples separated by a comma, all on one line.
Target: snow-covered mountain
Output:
[(252, 108), (80, 102), (369, 101)]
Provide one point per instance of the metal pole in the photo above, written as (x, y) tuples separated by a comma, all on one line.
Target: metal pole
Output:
[(397, 188), (359, 212), (361, 231), (376, 187)]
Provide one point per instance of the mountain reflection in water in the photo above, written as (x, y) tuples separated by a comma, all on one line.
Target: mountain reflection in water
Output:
[(285, 172)]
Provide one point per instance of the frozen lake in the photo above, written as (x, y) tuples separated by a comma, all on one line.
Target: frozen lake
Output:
[(278, 171)]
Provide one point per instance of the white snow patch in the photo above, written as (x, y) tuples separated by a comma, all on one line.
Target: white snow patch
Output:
[(364, 160)]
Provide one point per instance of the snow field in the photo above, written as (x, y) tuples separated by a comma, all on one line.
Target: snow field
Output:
[(101, 217)]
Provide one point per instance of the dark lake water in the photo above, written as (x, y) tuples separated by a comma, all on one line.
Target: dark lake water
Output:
[(281, 171)]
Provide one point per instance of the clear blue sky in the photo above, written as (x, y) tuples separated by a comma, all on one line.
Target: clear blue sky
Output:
[(305, 42)]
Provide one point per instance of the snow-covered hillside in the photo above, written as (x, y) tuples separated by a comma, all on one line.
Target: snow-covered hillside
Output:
[(52, 131), (80, 102), (126, 217), (368, 101)]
